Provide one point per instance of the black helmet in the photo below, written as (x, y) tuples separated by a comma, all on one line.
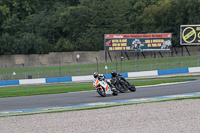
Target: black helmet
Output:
[(95, 74), (113, 73)]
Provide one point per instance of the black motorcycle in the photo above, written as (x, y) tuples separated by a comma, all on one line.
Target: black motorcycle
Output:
[(121, 84)]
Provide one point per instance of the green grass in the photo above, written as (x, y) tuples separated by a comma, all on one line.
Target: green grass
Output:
[(40, 89), (88, 69), (23, 90)]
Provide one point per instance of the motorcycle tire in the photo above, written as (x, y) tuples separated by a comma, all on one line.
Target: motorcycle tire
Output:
[(132, 88), (115, 93), (120, 88), (101, 92), (124, 85)]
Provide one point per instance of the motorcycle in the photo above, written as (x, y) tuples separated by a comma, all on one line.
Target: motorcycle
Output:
[(121, 84), (103, 88)]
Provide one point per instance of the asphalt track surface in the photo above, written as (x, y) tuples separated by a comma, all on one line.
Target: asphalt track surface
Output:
[(76, 98)]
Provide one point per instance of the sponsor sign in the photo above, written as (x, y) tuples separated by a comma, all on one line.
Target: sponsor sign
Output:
[(138, 42), (190, 34)]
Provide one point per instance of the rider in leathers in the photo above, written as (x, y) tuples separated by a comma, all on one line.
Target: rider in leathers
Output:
[(114, 74), (101, 76)]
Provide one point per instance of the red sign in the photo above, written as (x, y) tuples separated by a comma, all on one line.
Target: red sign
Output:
[(158, 35)]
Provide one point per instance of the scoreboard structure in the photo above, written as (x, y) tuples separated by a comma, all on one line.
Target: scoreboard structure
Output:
[(190, 35)]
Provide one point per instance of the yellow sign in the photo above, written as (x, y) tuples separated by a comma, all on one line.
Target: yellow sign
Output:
[(190, 34)]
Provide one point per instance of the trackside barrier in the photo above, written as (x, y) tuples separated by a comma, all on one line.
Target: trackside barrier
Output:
[(9, 82), (144, 73), (90, 77), (60, 79), (82, 78), (194, 69), (32, 81), (173, 71), (108, 76)]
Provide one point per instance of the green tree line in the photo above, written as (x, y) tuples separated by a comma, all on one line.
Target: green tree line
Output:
[(42, 26)]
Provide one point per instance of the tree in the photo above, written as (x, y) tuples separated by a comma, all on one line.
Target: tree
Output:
[(34, 26), (168, 15), (64, 45)]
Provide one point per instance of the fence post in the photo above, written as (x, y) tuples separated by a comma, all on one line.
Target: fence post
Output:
[(116, 62), (77, 59), (6, 72), (121, 60), (121, 63), (23, 70), (199, 57), (41, 70), (156, 61), (136, 65), (177, 60), (60, 67), (106, 68), (97, 64)]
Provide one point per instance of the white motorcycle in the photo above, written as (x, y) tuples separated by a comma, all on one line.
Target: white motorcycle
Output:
[(103, 88)]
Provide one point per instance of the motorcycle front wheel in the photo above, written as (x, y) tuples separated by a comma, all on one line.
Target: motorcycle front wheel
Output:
[(101, 92), (132, 88)]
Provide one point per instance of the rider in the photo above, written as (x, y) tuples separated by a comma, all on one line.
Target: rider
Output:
[(114, 74), (96, 75)]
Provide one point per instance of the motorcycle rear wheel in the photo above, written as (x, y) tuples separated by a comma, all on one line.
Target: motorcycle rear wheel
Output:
[(101, 92), (120, 89)]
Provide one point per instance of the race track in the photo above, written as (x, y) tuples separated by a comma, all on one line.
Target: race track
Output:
[(65, 99)]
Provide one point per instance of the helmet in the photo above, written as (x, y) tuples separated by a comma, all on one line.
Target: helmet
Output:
[(95, 74), (113, 73), (101, 77)]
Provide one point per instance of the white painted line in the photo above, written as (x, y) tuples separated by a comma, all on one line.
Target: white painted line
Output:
[(100, 103), (166, 84), (174, 96)]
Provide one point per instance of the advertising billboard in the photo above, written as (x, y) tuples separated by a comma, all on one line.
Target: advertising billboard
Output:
[(138, 42), (190, 34)]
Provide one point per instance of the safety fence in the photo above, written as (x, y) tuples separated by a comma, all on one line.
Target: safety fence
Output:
[(90, 77), (81, 69)]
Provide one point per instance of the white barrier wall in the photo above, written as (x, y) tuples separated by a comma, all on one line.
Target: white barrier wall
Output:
[(194, 69), (32, 81), (82, 78), (144, 73)]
